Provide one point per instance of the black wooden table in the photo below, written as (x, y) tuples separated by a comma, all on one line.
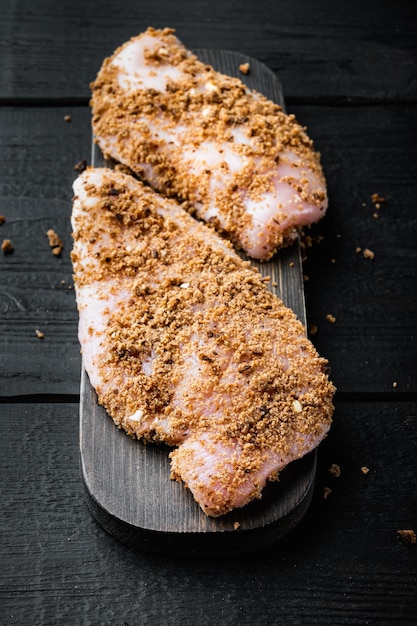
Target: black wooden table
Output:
[(349, 72)]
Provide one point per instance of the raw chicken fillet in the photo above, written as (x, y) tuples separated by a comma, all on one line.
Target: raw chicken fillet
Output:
[(185, 345), (234, 157)]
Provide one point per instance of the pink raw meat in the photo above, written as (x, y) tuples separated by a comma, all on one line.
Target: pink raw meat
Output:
[(184, 344), (235, 157)]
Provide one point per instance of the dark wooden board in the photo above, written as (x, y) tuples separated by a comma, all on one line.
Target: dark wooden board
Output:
[(127, 484), (343, 564), (129, 492), (351, 51)]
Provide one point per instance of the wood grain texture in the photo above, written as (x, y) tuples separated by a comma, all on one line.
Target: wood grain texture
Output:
[(128, 485), (342, 564), (38, 152), (355, 51), (365, 150)]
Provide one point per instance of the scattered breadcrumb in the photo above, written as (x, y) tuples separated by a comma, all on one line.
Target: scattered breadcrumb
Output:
[(331, 318), (313, 328), (307, 241), (2, 219), (39, 334), (358, 249), (368, 254), (334, 470), (332, 260), (375, 215), (407, 536), (291, 264), (306, 278), (53, 238), (236, 525), (7, 246), (395, 384), (326, 492), (55, 242), (244, 68), (364, 469), (67, 118), (81, 165), (377, 199)]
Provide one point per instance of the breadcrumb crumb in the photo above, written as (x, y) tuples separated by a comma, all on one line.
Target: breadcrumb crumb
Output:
[(331, 318), (80, 166), (244, 68), (376, 198), (407, 536), (368, 254), (326, 492), (39, 334), (7, 246), (55, 242), (334, 470), (2, 219), (365, 470)]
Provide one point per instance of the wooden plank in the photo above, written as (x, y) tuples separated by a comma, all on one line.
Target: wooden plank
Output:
[(365, 150), (38, 151), (128, 485), (322, 51), (343, 559)]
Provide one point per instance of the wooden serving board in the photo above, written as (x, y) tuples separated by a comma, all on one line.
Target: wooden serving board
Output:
[(127, 484)]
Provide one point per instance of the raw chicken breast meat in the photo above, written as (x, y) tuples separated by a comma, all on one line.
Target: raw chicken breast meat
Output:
[(231, 155), (185, 345)]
